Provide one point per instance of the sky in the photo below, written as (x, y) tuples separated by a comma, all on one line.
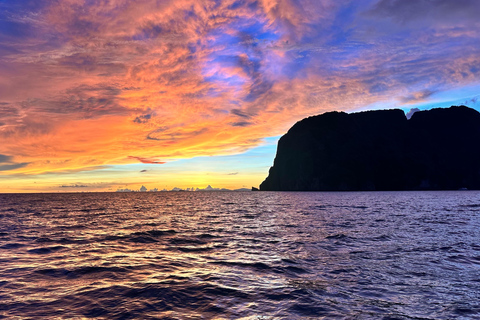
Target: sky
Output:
[(97, 95)]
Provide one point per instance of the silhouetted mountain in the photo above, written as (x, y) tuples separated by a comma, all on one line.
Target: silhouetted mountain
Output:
[(437, 149)]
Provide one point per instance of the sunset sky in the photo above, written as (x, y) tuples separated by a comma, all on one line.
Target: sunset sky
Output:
[(97, 95)]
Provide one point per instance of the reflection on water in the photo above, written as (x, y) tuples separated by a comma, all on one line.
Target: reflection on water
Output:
[(200, 255)]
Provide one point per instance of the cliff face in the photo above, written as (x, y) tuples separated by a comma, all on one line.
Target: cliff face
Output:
[(437, 149)]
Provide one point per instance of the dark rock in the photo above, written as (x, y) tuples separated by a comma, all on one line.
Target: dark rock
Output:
[(437, 149), (255, 189)]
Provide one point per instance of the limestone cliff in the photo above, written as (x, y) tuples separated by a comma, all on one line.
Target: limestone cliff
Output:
[(437, 149)]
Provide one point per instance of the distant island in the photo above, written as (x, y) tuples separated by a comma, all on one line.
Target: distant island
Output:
[(175, 189), (437, 149)]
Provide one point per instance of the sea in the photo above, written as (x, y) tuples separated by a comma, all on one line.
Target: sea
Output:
[(240, 255)]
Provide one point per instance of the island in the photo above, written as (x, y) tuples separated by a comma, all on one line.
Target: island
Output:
[(438, 149)]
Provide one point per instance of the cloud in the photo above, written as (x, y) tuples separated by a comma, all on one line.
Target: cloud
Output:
[(418, 96), (147, 160), (85, 83), (7, 167), (75, 186), (90, 186), (7, 164), (471, 101), (144, 118), (240, 113), (442, 11), (174, 135), (411, 112), (5, 158), (241, 124)]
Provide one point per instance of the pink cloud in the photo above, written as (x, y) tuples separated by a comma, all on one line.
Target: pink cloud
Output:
[(146, 160), (89, 84)]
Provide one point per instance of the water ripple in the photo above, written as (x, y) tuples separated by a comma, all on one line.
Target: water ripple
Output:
[(265, 255)]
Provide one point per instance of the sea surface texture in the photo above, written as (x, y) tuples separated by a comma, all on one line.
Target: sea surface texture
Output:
[(240, 255)]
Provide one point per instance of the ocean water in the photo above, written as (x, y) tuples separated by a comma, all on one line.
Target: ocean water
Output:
[(240, 255)]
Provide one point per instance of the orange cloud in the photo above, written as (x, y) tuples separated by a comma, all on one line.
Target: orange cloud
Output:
[(93, 84), (146, 160)]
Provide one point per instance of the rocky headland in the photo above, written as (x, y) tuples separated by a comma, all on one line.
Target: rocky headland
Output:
[(438, 149)]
